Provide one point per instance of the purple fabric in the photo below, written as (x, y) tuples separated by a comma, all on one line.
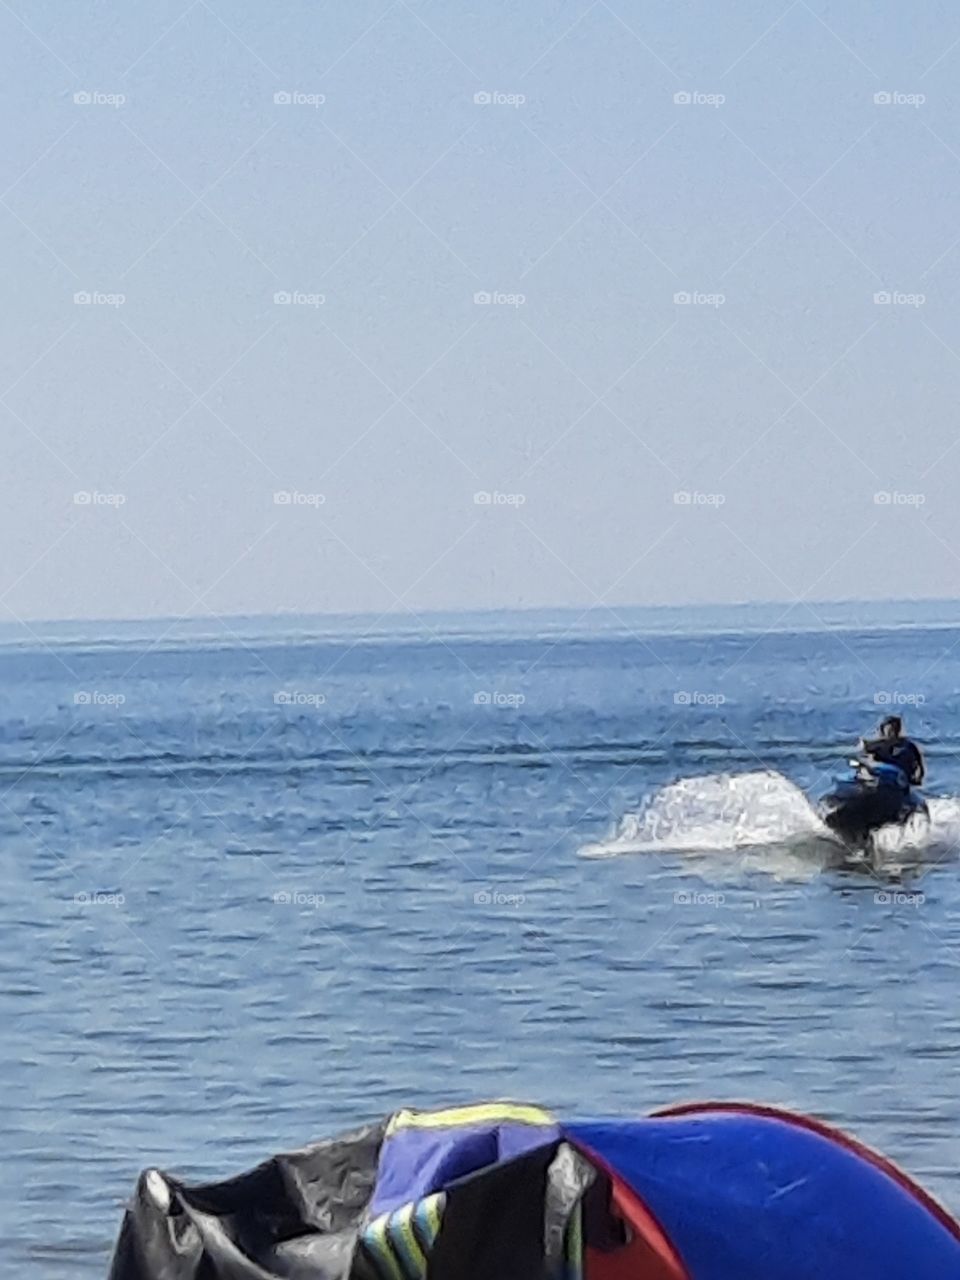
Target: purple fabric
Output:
[(416, 1162)]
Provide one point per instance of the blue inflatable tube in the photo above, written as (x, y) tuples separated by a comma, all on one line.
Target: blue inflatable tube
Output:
[(754, 1194)]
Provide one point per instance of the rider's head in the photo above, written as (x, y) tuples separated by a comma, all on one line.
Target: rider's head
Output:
[(891, 727)]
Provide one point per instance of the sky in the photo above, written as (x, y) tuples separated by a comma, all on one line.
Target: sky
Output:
[(417, 305)]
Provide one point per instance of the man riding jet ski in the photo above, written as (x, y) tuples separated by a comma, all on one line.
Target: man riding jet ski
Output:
[(879, 792), (893, 748)]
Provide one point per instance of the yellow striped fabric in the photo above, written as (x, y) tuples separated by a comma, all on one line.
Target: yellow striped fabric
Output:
[(398, 1244), (481, 1113)]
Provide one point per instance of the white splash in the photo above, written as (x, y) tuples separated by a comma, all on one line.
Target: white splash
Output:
[(769, 823), (922, 841), (721, 811)]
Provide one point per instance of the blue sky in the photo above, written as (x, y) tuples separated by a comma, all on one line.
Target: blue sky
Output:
[(409, 306)]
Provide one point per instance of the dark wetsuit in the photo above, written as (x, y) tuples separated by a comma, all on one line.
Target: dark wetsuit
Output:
[(901, 752)]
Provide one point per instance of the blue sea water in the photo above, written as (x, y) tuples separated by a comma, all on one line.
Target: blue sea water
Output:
[(266, 880)]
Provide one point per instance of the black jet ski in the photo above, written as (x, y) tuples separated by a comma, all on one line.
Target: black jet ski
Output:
[(872, 796)]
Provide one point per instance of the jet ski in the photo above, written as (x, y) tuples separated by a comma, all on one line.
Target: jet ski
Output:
[(872, 796)]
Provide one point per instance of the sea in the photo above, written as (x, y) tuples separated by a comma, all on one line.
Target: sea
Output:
[(264, 879)]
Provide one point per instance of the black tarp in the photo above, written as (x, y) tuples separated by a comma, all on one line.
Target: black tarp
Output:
[(306, 1215), (295, 1216)]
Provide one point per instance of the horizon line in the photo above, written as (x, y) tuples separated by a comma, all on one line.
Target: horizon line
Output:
[(385, 615)]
